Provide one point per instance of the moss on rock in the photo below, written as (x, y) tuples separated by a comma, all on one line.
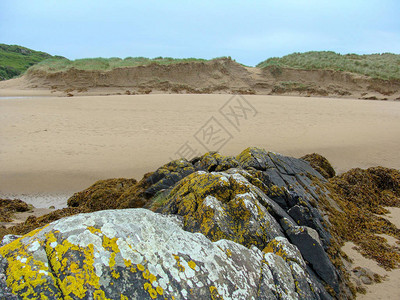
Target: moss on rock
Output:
[(103, 194), (8, 207), (321, 164), (222, 206), (359, 198), (245, 200)]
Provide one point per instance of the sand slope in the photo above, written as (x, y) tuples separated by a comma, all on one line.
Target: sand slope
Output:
[(215, 76)]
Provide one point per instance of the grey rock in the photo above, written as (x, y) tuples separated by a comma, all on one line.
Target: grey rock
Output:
[(144, 255), (8, 238), (168, 175), (304, 216), (310, 246), (256, 201), (213, 161), (5, 291), (365, 275), (223, 205)]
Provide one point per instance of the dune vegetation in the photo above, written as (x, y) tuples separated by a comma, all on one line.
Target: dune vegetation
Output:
[(15, 60), (56, 65), (382, 66)]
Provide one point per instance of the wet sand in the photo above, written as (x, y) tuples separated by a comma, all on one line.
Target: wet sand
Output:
[(389, 288), (56, 146)]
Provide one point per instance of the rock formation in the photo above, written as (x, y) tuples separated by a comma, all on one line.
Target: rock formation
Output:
[(255, 226)]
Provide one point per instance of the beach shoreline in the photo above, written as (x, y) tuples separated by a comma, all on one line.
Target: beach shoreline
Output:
[(59, 145)]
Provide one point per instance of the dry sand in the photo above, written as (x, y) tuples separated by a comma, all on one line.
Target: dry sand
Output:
[(58, 145), (51, 147)]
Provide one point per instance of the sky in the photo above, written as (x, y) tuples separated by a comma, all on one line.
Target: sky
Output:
[(248, 31)]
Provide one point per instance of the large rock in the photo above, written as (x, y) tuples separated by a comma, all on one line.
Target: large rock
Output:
[(253, 200), (138, 254), (223, 206), (308, 242), (168, 175)]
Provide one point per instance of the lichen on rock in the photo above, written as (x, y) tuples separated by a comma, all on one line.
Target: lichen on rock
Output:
[(8, 207), (256, 226), (139, 254), (222, 206)]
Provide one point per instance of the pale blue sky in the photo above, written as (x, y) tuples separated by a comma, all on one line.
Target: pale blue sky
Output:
[(248, 31)]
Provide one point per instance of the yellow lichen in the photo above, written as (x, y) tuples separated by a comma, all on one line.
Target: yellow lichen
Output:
[(23, 272), (112, 259), (214, 293), (127, 263), (181, 268), (147, 286), (33, 232), (94, 230), (100, 295), (146, 274), (192, 264), (159, 290), (277, 248), (152, 278), (152, 293), (74, 267), (123, 297), (190, 193), (115, 274), (69, 286), (84, 276), (140, 267), (228, 252), (110, 244)]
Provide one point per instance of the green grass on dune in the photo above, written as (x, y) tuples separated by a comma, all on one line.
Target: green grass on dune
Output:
[(14, 60), (56, 65), (383, 66)]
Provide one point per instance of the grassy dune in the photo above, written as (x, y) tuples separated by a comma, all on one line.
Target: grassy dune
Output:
[(383, 66), (14, 60), (55, 65)]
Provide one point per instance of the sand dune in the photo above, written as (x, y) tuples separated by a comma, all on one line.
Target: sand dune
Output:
[(218, 76)]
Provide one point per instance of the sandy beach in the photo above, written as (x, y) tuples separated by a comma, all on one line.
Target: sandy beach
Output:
[(200, 150), (56, 146), (52, 146), (389, 288)]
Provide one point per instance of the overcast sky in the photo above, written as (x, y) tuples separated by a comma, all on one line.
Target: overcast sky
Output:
[(248, 31)]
